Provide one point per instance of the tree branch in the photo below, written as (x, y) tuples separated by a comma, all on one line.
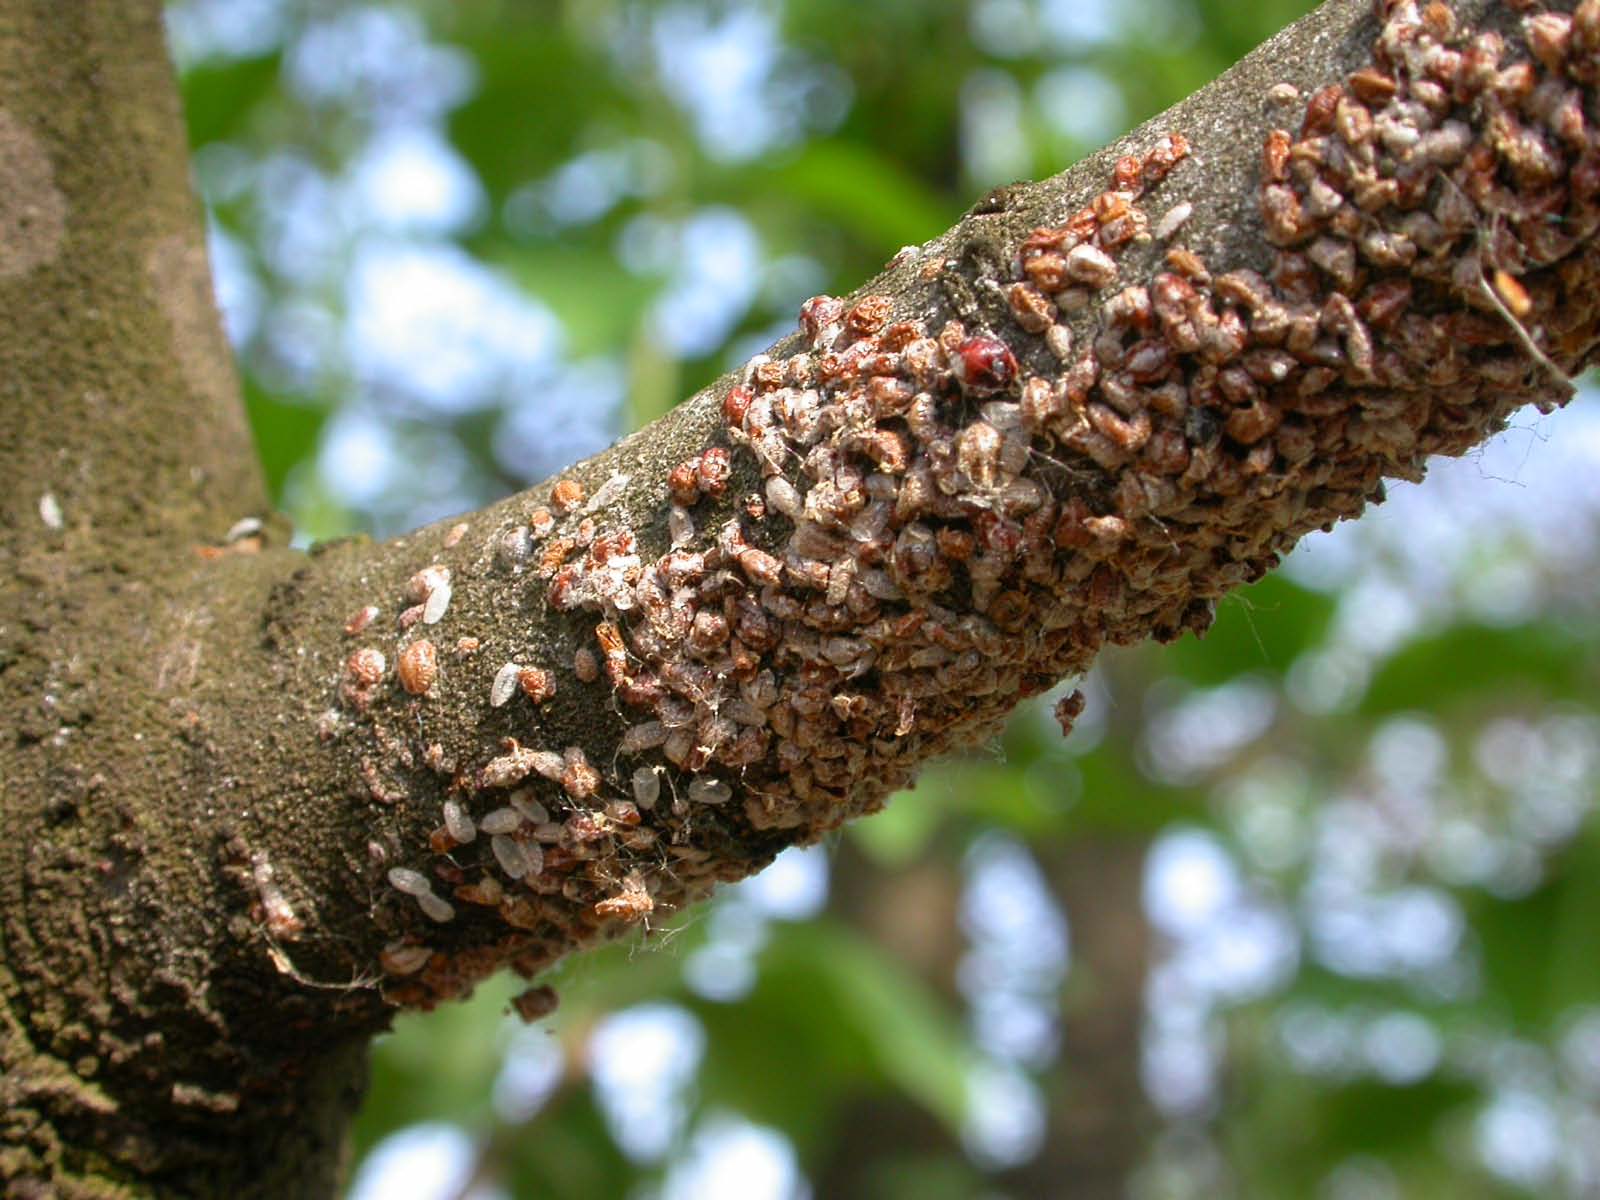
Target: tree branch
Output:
[(1081, 416)]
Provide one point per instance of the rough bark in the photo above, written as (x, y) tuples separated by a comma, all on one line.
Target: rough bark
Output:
[(207, 787)]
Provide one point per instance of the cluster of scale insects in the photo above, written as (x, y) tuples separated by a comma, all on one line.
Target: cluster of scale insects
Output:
[(902, 529)]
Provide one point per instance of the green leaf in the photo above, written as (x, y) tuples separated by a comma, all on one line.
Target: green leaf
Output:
[(1537, 952), (219, 102), (285, 434), (1474, 664), (565, 1153), (831, 1008), (1294, 1131), (864, 192), (539, 92), (437, 1066), (1261, 628), (899, 834), (599, 303)]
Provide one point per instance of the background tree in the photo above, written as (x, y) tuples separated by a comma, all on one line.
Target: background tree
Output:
[(1357, 986)]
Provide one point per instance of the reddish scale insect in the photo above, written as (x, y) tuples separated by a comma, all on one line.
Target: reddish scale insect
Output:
[(818, 313), (735, 405), (985, 364), (360, 619), (537, 684), (712, 474), (566, 496), (683, 482)]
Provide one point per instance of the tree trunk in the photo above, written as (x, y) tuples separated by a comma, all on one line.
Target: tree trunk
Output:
[(1103, 1122), (914, 914), (969, 487)]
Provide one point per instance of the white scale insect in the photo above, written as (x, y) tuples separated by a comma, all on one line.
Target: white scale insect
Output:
[(458, 824), (505, 684), (500, 820), (646, 786), (414, 883)]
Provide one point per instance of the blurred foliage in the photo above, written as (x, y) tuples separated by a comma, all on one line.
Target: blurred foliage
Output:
[(1367, 796)]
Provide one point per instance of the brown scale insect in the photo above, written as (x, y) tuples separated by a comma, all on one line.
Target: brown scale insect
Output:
[(1275, 156), (516, 764), (1320, 110), (566, 496), (554, 554), (536, 683), (1030, 308), (764, 374), (486, 892), (360, 619), (1164, 156), (1091, 266), (868, 315), (819, 314), (1109, 207), (632, 903), (1372, 86), (564, 593), (579, 779), (418, 667), (402, 958), (1047, 271), (1285, 219), (611, 645), (365, 668), (535, 1003)]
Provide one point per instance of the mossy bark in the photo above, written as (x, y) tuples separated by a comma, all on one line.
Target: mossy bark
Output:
[(138, 1053), (204, 798)]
